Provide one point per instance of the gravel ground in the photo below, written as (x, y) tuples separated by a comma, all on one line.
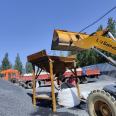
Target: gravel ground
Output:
[(99, 83), (44, 107), (16, 101)]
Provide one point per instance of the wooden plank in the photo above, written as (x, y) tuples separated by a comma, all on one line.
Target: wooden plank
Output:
[(36, 56), (43, 96), (62, 59), (42, 57), (41, 60)]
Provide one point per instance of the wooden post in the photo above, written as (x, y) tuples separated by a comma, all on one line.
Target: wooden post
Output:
[(34, 89), (52, 85), (77, 84)]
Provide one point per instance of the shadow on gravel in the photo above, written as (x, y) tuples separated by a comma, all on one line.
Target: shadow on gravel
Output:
[(29, 94), (91, 81), (42, 102), (44, 108), (82, 106)]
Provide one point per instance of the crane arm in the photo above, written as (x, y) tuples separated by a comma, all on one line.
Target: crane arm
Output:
[(98, 42), (65, 40)]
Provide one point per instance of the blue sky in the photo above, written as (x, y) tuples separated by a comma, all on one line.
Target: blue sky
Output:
[(26, 26)]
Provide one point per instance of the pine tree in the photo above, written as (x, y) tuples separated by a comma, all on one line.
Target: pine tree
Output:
[(100, 28), (87, 57), (6, 63), (111, 25), (18, 64), (28, 67)]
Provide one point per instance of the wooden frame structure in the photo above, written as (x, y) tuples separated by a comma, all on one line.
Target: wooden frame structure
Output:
[(53, 65)]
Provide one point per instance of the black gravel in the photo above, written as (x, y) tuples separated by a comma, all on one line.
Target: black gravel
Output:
[(14, 101)]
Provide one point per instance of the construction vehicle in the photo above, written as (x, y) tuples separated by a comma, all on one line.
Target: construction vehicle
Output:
[(99, 102), (10, 74), (23, 80), (83, 74)]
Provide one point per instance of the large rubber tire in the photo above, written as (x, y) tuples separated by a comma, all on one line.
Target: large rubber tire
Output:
[(29, 85), (101, 103), (22, 84)]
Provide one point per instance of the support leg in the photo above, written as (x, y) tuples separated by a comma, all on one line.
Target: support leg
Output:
[(34, 89), (52, 86)]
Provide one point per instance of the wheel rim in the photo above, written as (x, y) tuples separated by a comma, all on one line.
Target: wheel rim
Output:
[(102, 109)]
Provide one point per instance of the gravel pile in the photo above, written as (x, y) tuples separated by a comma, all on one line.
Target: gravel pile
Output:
[(14, 101)]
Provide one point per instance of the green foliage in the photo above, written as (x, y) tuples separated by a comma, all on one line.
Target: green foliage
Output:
[(111, 25), (89, 57), (28, 67), (100, 28), (6, 63), (18, 64)]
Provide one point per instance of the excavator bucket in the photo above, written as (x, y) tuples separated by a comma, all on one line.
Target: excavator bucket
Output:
[(62, 40)]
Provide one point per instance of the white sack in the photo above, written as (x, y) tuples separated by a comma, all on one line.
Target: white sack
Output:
[(68, 97)]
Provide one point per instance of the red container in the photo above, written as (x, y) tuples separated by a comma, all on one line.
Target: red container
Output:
[(90, 72)]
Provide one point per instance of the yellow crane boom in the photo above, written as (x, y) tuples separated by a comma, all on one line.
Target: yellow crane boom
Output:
[(65, 40)]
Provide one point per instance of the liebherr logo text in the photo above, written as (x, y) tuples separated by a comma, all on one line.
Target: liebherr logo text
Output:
[(105, 43)]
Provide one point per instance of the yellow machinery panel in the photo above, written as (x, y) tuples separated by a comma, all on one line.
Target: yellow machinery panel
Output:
[(70, 41)]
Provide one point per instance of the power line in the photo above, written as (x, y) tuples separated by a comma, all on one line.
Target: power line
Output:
[(99, 19)]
